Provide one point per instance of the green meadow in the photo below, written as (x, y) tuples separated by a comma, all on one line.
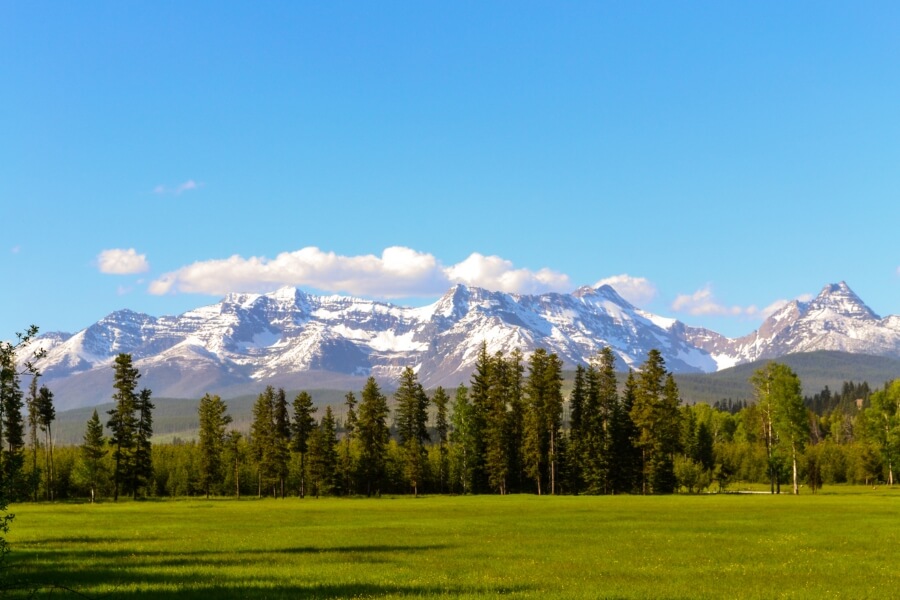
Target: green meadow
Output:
[(842, 543)]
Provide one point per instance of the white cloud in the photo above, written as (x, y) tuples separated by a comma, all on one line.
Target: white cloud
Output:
[(16, 249), (177, 190), (703, 302), (398, 272), (498, 274), (637, 290), (122, 262)]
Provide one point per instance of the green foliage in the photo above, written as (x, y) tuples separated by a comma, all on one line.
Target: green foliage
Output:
[(373, 435), (214, 419), (412, 427)]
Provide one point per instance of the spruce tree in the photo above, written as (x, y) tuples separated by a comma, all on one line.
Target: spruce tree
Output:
[(347, 465), (373, 433), (34, 443), (92, 452), (214, 418), (463, 443), (46, 415), (496, 422), (323, 459), (302, 428), (543, 418), (412, 427), (282, 438), (262, 439), (441, 429), (142, 468), (655, 414), (122, 423), (479, 390)]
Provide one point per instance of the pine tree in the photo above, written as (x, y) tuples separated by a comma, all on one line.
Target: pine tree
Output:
[(46, 413), (346, 458), (262, 439), (624, 456), (441, 429), (579, 453), (214, 418), (122, 423), (478, 393), (282, 439), (412, 426), (323, 455), (496, 422), (142, 468), (373, 435), (302, 428), (543, 417), (234, 453), (92, 452), (463, 443), (33, 426), (656, 416)]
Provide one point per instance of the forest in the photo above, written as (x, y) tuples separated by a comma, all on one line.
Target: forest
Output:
[(511, 430)]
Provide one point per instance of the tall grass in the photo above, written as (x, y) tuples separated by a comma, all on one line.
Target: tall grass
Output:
[(725, 546)]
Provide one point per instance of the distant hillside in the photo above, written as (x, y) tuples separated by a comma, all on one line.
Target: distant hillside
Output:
[(815, 369), (176, 417)]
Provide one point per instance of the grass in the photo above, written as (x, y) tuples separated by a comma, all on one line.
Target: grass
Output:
[(837, 544)]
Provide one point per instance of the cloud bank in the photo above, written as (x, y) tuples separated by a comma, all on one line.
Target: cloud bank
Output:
[(399, 272), (704, 303), (122, 262)]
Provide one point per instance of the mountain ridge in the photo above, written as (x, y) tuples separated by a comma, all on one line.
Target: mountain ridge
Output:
[(293, 338)]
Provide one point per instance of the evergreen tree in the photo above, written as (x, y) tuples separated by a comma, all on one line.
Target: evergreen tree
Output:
[(478, 393), (323, 459), (441, 429), (302, 428), (9, 390), (346, 458), (624, 456), (34, 443), (234, 452), (515, 429), (142, 468), (463, 441), (578, 453), (282, 438), (374, 435), (214, 418), (92, 452), (122, 423), (263, 440), (495, 420), (412, 426), (656, 416), (46, 415), (543, 418)]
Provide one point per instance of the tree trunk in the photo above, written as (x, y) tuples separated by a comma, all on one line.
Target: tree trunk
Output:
[(794, 461)]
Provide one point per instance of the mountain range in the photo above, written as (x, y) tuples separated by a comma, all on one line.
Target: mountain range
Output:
[(293, 339)]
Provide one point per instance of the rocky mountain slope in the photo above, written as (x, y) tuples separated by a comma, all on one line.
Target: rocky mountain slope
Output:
[(294, 339)]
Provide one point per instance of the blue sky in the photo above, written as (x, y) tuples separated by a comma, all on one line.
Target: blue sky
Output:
[(713, 158)]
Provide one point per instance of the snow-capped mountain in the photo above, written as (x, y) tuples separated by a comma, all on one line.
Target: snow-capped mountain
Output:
[(294, 339), (836, 319)]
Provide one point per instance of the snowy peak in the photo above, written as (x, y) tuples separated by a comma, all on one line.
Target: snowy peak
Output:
[(288, 337), (838, 299)]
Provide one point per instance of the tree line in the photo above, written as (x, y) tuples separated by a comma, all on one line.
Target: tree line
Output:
[(511, 430)]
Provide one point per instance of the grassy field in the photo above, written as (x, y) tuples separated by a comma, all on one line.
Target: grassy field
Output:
[(842, 544)]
